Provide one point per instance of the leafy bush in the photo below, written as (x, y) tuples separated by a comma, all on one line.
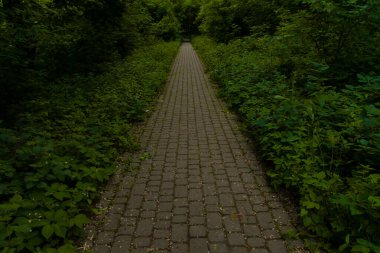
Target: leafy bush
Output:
[(225, 20), (42, 40), (65, 144), (323, 141), (165, 24)]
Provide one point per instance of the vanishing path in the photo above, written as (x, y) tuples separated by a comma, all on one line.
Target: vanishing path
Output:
[(199, 187)]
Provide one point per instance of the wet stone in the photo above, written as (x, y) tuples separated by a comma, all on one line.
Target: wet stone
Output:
[(256, 242), (179, 233), (140, 242), (144, 228), (214, 220), (276, 246), (198, 231), (105, 237), (218, 248), (236, 239), (216, 236), (121, 244), (198, 246)]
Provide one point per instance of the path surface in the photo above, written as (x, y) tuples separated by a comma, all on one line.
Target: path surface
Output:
[(199, 187)]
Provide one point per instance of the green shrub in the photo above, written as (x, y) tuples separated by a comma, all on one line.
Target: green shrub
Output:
[(323, 142), (65, 145)]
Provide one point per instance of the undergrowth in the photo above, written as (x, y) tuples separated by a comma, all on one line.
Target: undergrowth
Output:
[(54, 156), (323, 142)]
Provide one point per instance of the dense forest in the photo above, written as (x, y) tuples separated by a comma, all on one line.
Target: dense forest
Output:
[(303, 75)]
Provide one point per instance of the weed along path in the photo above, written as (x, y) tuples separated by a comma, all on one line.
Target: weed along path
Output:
[(198, 187)]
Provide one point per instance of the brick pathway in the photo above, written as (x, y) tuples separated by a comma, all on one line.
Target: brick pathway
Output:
[(198, 187)]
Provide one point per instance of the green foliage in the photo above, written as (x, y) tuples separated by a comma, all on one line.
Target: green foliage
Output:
[(59, 150), (165, 23), (187, 13), (44, 40), (305, 79), (320, 134), (227, 19), (66, 108), (52, 38)]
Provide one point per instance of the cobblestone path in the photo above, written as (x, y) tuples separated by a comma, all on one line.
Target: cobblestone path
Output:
[(198, 187)]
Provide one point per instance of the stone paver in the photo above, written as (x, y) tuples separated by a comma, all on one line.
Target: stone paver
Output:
[(197, 186)]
